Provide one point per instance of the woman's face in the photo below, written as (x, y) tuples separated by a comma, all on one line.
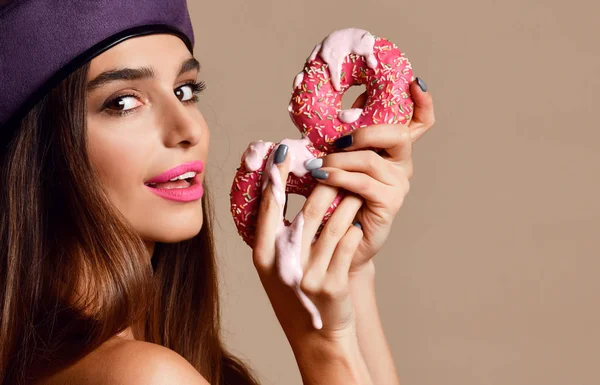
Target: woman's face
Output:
[(142, 122)]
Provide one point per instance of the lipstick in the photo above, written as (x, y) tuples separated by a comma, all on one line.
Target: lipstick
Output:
[(181, 183)]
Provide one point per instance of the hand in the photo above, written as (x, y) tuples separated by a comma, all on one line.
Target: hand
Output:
[(381, 178), (320, 269)]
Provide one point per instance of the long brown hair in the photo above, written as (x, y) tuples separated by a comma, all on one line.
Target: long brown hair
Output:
[(58, 230)]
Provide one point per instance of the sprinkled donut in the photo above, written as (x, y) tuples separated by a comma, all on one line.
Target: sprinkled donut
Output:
[(249, 183), (346, 58)]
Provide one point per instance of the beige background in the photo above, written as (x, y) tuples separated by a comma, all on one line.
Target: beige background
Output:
[(491, 276)]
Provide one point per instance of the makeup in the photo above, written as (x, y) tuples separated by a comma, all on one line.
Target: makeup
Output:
[(180, 184)]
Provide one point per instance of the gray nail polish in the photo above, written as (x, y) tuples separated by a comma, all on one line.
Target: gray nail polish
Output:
[(281, 153), (319, 174), (421, 84), (313, 164), (357, 224)]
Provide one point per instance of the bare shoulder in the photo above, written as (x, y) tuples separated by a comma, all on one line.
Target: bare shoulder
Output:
[(120, 362), (138, 362)]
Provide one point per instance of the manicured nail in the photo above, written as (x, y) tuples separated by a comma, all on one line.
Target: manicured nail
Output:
[(357, 224), (313, 164), (343, 142), (281, 153), (422, 84), (319, 174)]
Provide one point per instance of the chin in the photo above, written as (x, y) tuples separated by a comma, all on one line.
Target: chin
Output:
[(173, 228)]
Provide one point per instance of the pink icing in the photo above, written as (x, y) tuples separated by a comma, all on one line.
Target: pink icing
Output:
[(342, 43), (347, 57), (298, 79), (315, 52), (385, 71), (350, 116), (255, 154), (288, 239), (298, 154)]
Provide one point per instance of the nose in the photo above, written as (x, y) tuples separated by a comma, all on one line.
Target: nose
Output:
[(181, 124)]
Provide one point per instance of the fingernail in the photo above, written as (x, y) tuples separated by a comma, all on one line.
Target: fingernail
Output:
[(281, 153), (313, 164), (422, 84), (319, 174), (357, 224), (343, 142)]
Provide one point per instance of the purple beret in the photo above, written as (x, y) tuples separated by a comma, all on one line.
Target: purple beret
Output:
[(43, 41)]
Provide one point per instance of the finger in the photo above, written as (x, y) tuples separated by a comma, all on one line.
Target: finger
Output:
[(270, 212), (395, 139), (332, 233), (356, 182), (340, 263), (367, 162), (314, 209), (423, 114)]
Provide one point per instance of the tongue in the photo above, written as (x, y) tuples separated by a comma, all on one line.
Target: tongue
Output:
[(171, 185)]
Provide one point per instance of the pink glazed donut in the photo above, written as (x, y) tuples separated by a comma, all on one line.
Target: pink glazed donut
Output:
[(346, 58), (250, 178), (354, 56)]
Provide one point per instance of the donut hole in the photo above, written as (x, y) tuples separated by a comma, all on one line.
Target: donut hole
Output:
[(351, 95), (294, 204)]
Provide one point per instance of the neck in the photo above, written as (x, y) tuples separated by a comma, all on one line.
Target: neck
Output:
[(150, 247), (134, 332)]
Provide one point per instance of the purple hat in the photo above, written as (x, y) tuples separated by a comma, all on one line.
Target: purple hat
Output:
[(43, 41)]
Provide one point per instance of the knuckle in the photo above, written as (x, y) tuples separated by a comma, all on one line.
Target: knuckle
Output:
[(348, 245), (398, 202), (407, 188), (404, 138), (369, 188), (372, 160), (332, 230), (311, 211), (260, 261), (335, 289), (310, 285)]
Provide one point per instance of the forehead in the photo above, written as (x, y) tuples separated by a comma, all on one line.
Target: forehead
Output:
[(163, 52)]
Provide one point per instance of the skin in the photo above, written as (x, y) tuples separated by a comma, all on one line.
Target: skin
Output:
[(377, 217), (160, 132), (338, 269), (163, 131), (382, 180)]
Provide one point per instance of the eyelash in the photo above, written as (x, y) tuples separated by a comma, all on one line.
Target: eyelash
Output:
[(197, 88)]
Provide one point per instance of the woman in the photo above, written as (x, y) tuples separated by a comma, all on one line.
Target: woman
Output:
[(108, 278)]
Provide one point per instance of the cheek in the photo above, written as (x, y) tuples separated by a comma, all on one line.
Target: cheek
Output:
[(119, 161)]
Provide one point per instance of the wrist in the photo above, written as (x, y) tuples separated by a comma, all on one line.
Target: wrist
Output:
[(332, 361), (363, 274)]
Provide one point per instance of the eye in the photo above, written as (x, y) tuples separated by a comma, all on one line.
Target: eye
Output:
[(185, 92), (123, 103), (188, 93)]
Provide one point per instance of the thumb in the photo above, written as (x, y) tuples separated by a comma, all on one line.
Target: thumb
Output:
[(423, 115), (270, 212)]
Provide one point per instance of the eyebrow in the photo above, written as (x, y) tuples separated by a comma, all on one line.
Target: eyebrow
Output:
[(136, 74)]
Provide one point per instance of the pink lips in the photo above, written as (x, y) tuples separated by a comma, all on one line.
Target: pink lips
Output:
[(187, 194)]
